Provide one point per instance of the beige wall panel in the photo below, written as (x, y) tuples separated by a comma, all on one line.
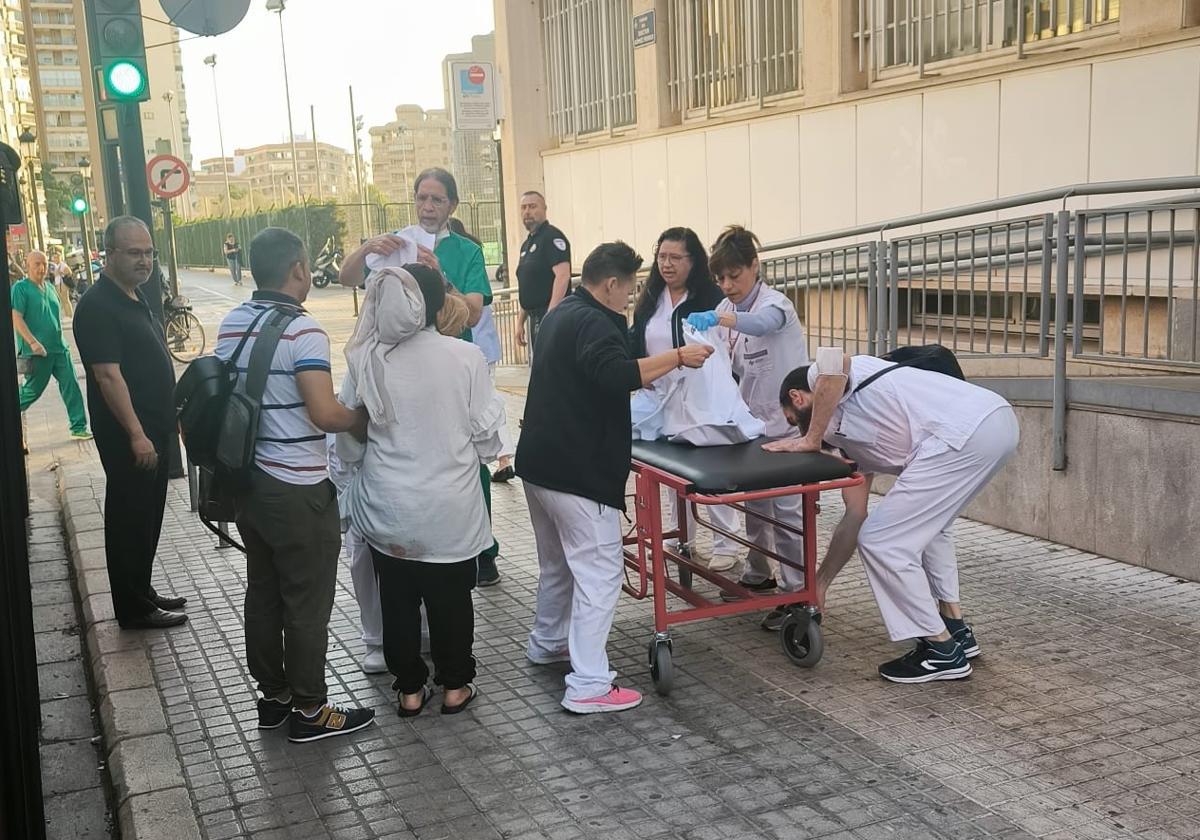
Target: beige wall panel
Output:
[(560, 201), (827, 170), (585, 188), (728, 154), (775, 179), (889, 159), (687, 185), (617, 194), (651, 206)]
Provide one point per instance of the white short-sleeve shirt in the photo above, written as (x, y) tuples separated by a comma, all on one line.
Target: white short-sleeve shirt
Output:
[(882, 426)]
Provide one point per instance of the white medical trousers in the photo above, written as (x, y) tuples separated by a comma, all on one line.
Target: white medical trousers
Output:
[(905, 543), (721, 515), (789, 509), (580, 565), (366, 588), (507, 450)]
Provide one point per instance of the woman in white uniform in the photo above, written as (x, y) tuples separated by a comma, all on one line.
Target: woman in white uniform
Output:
[(681, 284), (765, 340)]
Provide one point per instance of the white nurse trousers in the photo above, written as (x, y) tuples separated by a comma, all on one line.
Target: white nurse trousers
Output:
[(581, 567), (366, 588), (905, 543), (721, 515), (789, 509)]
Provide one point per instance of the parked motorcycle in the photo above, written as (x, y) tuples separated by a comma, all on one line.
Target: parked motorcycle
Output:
[(327, 265)]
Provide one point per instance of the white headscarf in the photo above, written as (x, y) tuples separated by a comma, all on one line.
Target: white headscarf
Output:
[(393, 311)]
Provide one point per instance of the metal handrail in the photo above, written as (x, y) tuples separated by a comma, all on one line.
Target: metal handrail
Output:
[(1183, 182)]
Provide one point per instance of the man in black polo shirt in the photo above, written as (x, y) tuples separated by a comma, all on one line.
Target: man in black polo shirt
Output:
[(544, 272), (130, 380)]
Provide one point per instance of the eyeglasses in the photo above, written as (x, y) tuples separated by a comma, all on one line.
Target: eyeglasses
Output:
[(671, 259), (136, 254), (435, 200)]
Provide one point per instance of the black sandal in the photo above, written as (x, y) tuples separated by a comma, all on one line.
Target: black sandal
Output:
[(453, 710), (426, 696)]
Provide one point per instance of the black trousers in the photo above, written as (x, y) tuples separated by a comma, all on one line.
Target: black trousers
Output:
[(533, 323), (134, 501), (292, 539), (445, 590)]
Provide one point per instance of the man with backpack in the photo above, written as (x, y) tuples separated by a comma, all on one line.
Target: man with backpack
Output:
[(287, 512), (944, 439)]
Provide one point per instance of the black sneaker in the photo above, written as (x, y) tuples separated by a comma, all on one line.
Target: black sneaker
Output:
[(329, 721), (488, 574), (964, 635), (504, 475), (758, 588), (774, 619), (926, 663), (273, 714)]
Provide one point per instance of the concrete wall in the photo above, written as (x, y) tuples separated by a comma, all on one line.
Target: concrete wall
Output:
[(1131, 490)]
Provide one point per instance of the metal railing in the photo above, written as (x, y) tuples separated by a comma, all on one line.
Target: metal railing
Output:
[(912, 33), (1119, 285), (589, 65), (729, 52)]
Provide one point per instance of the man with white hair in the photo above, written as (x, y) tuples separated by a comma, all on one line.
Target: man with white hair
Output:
[(37, 319)]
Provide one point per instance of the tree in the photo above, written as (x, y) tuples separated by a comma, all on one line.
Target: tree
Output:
[(58, 200)]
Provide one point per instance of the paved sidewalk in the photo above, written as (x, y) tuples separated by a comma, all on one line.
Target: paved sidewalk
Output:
[(1081, 719)]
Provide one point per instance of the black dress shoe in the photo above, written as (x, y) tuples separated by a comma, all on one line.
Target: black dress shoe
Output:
[(504, 475), (168, 603), (156, 620)]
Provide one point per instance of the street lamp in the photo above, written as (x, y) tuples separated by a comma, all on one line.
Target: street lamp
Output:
[(211, 61), (27, 139), (176, 140), (278, 6), (85, 172)]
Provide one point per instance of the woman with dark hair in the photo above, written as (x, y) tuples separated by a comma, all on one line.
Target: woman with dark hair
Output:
[(765, 340), (434, 418), (679, 285)]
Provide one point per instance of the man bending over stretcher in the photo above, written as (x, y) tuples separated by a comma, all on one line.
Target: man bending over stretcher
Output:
[(944, 438)]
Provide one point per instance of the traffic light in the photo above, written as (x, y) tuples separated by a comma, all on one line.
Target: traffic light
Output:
[(79, 205), (120, 49)]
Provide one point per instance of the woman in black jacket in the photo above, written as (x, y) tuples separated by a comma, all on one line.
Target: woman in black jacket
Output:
[(680, 274), (680, 284)]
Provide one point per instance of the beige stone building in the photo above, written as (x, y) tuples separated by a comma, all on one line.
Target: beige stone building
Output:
[(415, 140), (17, 102), (263, 175), (797, 117)]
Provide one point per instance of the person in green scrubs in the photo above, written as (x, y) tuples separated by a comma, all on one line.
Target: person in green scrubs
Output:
[(435, 196), (37, 320)]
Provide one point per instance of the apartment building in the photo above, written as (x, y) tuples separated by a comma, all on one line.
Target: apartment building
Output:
[(415, 140)]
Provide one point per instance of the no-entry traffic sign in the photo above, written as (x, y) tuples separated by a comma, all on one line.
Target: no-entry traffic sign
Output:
[(168, 176)]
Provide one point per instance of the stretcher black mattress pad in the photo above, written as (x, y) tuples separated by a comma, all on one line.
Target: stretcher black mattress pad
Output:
[(740, 467)]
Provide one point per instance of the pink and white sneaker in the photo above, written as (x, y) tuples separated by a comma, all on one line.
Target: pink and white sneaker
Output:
[(617, 700)]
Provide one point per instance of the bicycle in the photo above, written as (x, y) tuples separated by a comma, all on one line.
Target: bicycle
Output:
[(184, 332)]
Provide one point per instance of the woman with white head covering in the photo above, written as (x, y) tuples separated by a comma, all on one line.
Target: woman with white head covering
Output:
[(416, 499)]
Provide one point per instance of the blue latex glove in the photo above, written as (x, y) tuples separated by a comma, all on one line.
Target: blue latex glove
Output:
[(701, 321)]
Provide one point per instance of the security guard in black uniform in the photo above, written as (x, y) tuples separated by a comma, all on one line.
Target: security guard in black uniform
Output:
[(544, 272)]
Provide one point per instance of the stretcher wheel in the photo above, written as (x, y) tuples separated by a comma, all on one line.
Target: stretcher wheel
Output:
[(801, 640), (685, 577), (662, 668)]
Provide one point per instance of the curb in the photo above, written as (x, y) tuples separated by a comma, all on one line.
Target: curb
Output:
[(152, 800)]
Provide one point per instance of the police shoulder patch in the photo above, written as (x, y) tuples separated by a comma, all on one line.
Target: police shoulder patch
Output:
[(560, 244)]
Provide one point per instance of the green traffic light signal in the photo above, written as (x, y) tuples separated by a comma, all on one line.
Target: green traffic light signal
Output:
[(124, 80), (79, 205)]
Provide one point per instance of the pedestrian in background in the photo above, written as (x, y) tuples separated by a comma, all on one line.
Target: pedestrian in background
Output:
[(233, 256), (544, 270), (288, 517), (63, 281), (130, 388), (38, 323)]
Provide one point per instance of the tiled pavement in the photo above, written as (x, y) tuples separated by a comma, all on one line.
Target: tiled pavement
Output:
[(1081, 720)]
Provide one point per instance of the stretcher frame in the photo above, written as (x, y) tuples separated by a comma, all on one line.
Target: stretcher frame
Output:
[(646, 553)]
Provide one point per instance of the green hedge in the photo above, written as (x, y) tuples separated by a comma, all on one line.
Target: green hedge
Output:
[(198, 242)]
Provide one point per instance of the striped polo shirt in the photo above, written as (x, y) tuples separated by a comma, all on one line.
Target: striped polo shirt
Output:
[(290, 446)]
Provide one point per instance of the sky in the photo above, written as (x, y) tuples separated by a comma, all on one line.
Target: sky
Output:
[(391, 51)]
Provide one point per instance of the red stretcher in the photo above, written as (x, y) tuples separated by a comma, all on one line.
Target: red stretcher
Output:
[(724, 475)]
